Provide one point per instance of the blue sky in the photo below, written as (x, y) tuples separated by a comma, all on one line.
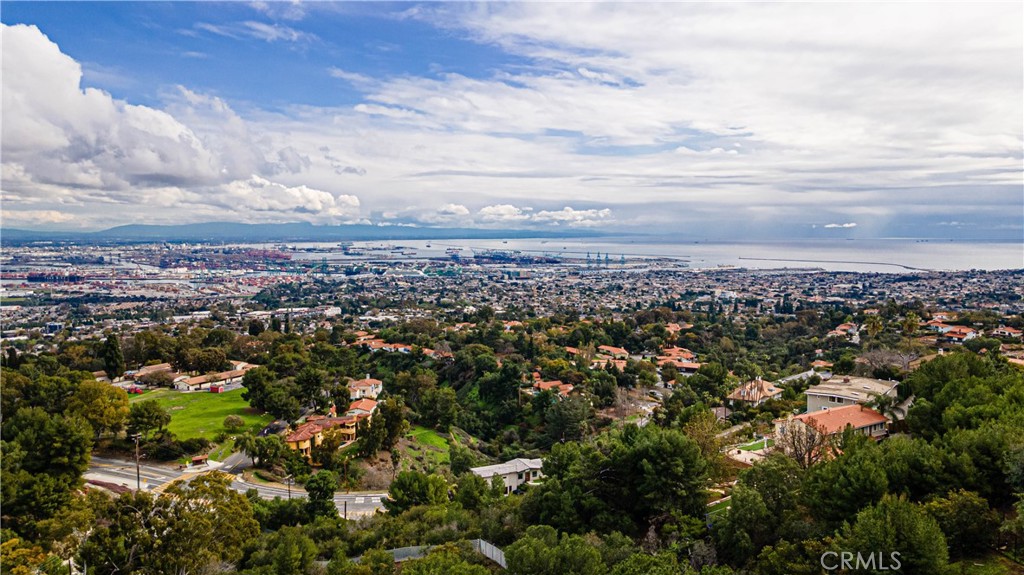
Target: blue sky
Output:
[(710, 120)]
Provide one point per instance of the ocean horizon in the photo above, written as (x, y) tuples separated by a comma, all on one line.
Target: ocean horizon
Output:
[(892, 255)]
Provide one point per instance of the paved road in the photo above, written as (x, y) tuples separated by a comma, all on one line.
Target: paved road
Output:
[(156, 478)]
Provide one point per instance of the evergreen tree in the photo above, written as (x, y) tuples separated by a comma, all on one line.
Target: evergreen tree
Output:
[(113, 357)]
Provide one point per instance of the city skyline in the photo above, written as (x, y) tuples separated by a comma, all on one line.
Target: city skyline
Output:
[(756, 121)]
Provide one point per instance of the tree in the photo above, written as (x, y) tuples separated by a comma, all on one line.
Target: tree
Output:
[(471, 491), (836, 490), (910, 324), (43, 459), (189, 529), (255, 327), (439, 408), (626, 480), (412, 488), (321, 488), (967, 521), (104, 406), (889, 406), (567, 420), (541, 552), (311, 382), (874, 325), (281, 404), (147, 416), (263, 451), (460, 458), (447, 559), (803, 441), (643, 564), (895, 525), (293, 552), (234, 423), (113, 358)]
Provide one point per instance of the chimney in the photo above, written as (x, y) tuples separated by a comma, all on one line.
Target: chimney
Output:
[(368, 376)]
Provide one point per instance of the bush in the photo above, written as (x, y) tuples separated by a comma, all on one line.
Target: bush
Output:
[(233, 423)]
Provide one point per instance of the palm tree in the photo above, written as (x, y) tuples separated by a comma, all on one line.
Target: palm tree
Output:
[(874, 326), (910, 324), (890, 407)]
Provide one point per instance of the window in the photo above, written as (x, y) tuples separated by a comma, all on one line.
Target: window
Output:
[(520, 476)]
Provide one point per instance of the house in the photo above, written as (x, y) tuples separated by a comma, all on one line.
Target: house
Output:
[(510, 325), (364, 406), (562, 389), (1007, 332), (938, 325), (149, 370), (687, 367), (514, 473), (317, 427), (200, 382), (721, 413), (603, 363), (843, 330), (677, 352), (832, 421), (754, 392), (616, 352), (847, 390), (958, 334), (368, 387)]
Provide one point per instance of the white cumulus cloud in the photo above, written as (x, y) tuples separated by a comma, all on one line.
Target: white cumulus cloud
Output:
[(260, 197), (846, 225), (501, 213)]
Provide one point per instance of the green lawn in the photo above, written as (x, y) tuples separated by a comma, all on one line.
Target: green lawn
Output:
[(201, 414), (430, 443), (757, 445), (720, 506)]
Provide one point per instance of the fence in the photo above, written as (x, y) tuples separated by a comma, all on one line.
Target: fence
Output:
[(485, 548)]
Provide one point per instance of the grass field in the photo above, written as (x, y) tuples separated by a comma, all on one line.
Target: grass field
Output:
[(720, 506), (757, 445), (427, 444), (201, 414)]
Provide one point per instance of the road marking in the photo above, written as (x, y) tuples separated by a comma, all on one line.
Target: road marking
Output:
[(360, 500)]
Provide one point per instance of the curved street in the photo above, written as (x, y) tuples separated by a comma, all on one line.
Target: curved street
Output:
[(156, 478)]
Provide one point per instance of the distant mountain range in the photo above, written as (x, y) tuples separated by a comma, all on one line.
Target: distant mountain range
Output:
[(291, 232)]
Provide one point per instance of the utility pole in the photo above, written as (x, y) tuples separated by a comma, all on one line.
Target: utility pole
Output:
[(346, 508), (289, 478), (138, 471)]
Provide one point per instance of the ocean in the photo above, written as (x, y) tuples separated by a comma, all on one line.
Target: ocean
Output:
[(880, 255)]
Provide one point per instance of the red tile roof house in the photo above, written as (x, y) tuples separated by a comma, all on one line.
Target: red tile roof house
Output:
[(754, 392), (1004, 331), (205, 381), (831, 422), (563, 389), (959, 334), (369, 387), (362, 407), (312, 433), (616, 352)]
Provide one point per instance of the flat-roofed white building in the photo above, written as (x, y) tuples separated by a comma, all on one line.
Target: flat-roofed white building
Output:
[(847, 390), (514, 473)]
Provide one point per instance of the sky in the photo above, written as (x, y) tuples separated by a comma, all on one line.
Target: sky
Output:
[(705, 120)]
